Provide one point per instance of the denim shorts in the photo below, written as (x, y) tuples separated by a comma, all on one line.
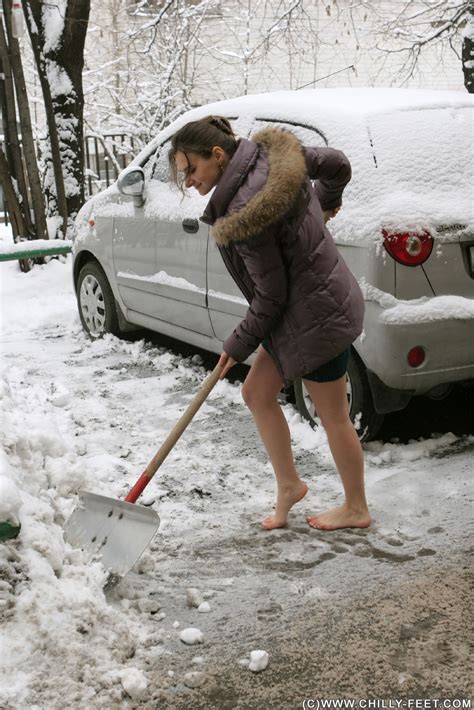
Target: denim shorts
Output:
[(330, 371)]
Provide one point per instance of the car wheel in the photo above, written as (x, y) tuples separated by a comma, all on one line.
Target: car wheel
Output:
[(362, 412), (96, 302)]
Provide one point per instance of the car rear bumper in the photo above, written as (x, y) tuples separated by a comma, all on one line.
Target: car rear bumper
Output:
[(448, 343)]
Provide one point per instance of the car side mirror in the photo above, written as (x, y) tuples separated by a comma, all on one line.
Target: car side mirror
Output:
[(191, 226), (131, 181)]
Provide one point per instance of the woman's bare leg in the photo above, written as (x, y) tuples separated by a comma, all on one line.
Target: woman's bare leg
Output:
[(260, 391), (331, 404)]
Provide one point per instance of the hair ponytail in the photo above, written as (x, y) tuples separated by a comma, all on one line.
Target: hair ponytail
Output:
[(222, 124)]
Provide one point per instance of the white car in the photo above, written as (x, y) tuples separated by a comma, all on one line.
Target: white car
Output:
[(406, 230)]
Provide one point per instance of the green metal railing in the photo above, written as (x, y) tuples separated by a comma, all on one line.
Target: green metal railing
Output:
[(33, 253)]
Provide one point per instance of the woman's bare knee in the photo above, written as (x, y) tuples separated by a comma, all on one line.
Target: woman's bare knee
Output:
[(263, 383), (256, 397)]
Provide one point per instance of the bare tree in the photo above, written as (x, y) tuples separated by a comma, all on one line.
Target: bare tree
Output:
[(169, 56), (254, 43), (151, 77), (409, 31)]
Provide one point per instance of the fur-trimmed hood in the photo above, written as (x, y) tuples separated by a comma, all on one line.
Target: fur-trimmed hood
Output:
[(259, 186)]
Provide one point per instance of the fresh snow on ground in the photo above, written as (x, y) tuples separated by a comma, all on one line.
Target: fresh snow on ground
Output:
[(78, 414)]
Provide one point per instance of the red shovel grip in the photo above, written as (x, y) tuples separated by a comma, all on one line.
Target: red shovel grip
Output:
[(138, 488)]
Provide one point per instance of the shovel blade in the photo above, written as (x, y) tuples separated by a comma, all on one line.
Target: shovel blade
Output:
[(111, 531)]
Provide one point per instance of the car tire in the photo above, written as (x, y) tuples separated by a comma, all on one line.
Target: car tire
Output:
[(96, 302), (366, 419)]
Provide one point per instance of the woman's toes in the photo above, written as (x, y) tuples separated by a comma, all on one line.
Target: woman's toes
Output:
[(270, 523)]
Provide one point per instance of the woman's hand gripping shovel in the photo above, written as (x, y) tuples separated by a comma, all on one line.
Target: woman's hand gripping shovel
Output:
[(116, 532)]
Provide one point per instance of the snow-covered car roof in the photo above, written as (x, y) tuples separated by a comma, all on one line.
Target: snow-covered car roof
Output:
[(326, 104), (347, 101)]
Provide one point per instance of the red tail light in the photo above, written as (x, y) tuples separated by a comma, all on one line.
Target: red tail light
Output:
[(408, 248), (416, 356)]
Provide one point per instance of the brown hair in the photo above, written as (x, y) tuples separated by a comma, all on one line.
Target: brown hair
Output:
[(200, 137)]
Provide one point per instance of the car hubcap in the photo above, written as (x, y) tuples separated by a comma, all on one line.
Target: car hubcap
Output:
[(309, 402), (92, 304)]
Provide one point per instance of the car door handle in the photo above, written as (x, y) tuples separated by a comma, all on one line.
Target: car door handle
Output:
[(191, 226)]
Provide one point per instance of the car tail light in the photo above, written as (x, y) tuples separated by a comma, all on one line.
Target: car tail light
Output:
[(408, 248), (416, 356)]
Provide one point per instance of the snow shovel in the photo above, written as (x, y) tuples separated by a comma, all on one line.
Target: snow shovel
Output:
[(116, 532)]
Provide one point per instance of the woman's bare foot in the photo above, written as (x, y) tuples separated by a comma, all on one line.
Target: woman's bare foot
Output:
[(286, 499), (341, 517)]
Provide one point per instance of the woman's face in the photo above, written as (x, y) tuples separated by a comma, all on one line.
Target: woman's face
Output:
[(201, 173)]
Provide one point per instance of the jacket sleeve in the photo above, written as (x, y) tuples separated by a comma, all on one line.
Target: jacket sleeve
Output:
[(263, 261), (331, 171)]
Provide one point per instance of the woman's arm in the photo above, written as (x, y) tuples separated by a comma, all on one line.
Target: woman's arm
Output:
[(262, 258), (331, 171)]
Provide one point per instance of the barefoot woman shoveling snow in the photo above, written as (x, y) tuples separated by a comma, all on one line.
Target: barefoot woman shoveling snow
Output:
[(305, 307)]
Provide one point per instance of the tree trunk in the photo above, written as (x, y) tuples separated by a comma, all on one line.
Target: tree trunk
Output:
[(71, 57), (53, 179), (11, 142), (14, 209), (63, 98), (27, 140), (468, 51)]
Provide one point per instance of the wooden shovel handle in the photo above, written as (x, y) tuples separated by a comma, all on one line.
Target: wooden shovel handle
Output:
[(201, 396)]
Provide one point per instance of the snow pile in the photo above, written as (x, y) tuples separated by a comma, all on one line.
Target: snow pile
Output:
[(57, 599)]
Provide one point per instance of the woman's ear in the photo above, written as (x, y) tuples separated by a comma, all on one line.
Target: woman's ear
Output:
[(218, 153)]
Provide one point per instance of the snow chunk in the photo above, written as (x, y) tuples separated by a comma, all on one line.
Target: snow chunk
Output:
[(10, 501), (204, 608), (134, 682), (191, 636), (194, 679), (148, 606), (258, 661), (60, 396)]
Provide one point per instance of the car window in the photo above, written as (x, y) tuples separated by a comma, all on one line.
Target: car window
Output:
[(307, 134), (157, 165)]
